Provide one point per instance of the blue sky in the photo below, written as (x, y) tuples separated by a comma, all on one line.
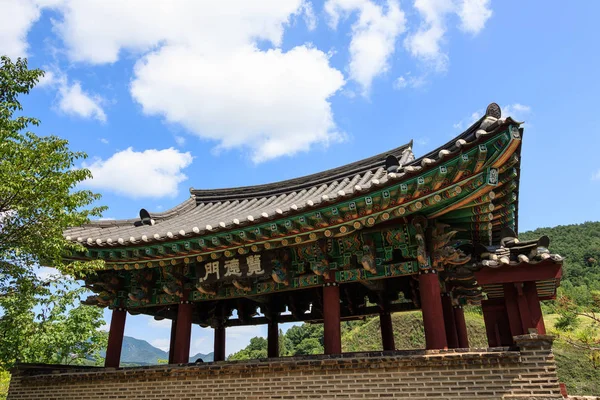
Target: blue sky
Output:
[(172, 95)]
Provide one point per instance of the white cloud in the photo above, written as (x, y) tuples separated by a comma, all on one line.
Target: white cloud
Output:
[(75, 101), (349, 93), (426, 43), (162, 344), (309, 16), (97, 30), (49, 79), (104, 141), (276, 104), (150, 173), (409, 81), (72, 99), (468, 121), (203, 344), (596, 176), (401, 83), (238, 337), (421, 141), (180, 140), (374, 36), (516, 111), (18, 16), (45, 273), (201, 67), (104, 327), (162, 324), (474, 14)]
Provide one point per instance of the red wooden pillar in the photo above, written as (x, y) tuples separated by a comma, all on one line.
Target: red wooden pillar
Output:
[(219, 352), (497, 325), (433, 315), (491, 323), (387, 331), (115, 338), (461, 327), (511, 301), (183, 333), (449, 322), (523, 308), (273, 338), (332, 339), (172, 341), (537, 319)]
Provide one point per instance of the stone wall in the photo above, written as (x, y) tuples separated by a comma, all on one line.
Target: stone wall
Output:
[(526, 372)]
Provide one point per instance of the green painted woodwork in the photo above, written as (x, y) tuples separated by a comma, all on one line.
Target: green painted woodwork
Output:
[(165, 285)]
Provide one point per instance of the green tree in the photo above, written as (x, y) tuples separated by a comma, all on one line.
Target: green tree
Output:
[(304, 339), (283, 350), (43, 326), (40, 319), (256, 349), (309, 346), (4, 382)]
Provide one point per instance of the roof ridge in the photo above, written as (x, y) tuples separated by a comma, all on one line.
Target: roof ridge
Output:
[(302, 182)]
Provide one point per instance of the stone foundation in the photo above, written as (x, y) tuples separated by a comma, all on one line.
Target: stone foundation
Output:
[(525, 372)]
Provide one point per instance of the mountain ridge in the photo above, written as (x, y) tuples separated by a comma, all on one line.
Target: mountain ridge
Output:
[(140, 352)]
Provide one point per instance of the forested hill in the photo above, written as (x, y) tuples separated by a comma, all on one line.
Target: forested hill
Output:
[(580, 245)]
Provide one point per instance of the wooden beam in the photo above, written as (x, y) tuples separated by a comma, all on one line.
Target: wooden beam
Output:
[(375, 286), (523, 272)]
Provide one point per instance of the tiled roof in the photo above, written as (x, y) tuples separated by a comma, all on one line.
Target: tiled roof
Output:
[(223, 209), (208, 210)]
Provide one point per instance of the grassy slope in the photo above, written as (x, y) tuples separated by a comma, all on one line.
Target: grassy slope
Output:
[(408, 333), (573, 367)]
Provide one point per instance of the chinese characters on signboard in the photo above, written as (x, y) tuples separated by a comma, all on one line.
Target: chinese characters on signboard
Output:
[(245, 267)]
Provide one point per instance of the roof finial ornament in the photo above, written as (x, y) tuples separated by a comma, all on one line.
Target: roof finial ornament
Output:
[(490, 121), (392, 164), (493, 110), (145, 217)]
